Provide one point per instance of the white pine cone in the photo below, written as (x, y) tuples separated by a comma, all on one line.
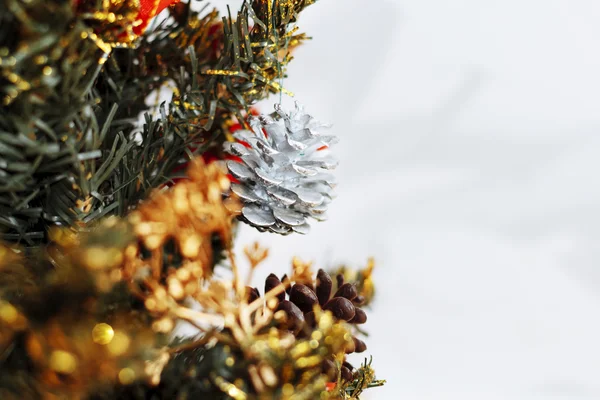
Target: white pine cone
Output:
[(283, 174)]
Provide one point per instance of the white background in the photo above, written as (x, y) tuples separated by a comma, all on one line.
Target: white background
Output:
[(468, 167)]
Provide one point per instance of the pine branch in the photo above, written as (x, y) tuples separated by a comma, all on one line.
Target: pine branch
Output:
[(68, 150), (216, 76), (48, 64)]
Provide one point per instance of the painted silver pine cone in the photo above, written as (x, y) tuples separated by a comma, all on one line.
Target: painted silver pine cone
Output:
[(283, 174)]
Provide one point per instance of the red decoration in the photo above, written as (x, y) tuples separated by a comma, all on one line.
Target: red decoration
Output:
[(148, 10)]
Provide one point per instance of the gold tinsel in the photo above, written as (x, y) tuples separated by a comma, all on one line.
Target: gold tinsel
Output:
[(71, 348), (113, 21)]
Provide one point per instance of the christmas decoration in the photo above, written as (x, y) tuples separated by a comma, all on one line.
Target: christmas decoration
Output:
[(148, 9), (307, 296), (71, 127), (115, 233), (283, 171)]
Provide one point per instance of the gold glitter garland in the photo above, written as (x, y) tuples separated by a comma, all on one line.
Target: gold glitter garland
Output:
[(71, 349), (113, 21)]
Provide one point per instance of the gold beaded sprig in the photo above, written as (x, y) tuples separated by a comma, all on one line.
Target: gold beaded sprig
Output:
[(278, 363), (164, 248), (187, 214)]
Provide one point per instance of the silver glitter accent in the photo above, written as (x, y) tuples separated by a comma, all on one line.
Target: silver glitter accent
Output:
[(283, 173)]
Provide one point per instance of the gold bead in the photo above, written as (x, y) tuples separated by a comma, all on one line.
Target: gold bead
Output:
[(190, 246), (287, 389), (8, 313), (119, 344), (126, 376), (183, 274), (102, 333), (63, 362), (163, 325), (176, 289)]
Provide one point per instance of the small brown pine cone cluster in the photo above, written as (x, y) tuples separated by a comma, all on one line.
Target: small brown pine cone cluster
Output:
[(299, 308)]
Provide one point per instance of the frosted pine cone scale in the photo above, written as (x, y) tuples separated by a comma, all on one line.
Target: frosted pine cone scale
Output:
[(283, 173)]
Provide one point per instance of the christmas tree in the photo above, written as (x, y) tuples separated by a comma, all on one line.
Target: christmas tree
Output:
[(118, 210)]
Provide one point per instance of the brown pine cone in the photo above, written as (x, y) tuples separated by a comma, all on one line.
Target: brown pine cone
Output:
[(303, 297)]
